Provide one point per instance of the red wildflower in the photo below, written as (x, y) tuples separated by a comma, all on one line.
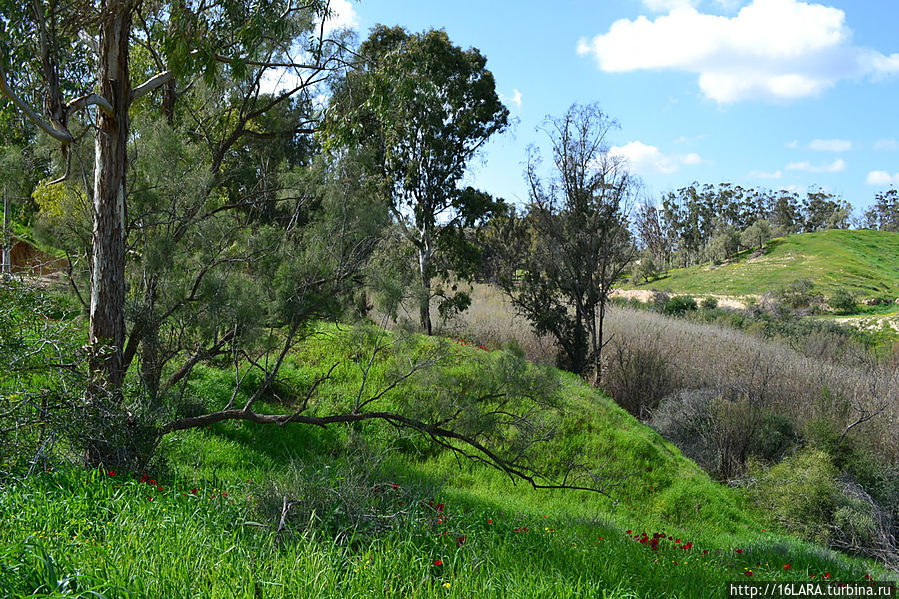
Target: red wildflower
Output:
[(628, 531), (152, 481), (399, 503), (439, 507), (460, 540), (149, 499), (159, 488), (748, 572), (827, 575), (670, 538), (600, 538), (489, 520), (395, 486), (705, 551), (112, 473), (516, 530), (437, 562), (677, 541), (786, 566), (193, 491), (739, 551)]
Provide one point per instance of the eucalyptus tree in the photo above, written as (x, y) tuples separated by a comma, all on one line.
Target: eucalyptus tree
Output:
[(425, 107), (78, 67)]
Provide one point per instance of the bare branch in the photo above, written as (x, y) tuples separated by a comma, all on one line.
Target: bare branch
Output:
[(86, 100), (59, 135), (151, 84)]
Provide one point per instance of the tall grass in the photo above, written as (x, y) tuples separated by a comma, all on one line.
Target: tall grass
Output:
[(806, 383)]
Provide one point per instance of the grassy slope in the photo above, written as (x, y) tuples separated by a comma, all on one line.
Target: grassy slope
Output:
[(108, 530), (865, 262)]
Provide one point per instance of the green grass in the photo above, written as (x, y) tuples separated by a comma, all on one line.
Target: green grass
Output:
[(71, 531), (864, 262)]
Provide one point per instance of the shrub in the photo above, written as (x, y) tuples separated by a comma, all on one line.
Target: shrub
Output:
[(842, 301), (709, 303), (797, 294), (638, 377), (680, 304), (773, 438), (800, 494)]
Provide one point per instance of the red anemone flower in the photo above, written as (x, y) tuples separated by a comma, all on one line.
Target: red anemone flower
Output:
[(437, 562)]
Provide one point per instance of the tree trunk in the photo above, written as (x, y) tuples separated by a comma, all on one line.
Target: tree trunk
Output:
[(7, 240), (107, 315), (424, 306)]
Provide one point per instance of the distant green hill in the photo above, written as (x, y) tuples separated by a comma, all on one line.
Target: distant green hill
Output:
[(864, 262)]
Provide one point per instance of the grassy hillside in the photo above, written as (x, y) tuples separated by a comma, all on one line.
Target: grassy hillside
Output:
[(379, 514), (864, 262)]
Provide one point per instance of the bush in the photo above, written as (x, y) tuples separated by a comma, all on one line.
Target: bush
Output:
[(774, 437), (797, 294), (638, 377), (800, 494), (842, 302), (679, 305), (709, 303)]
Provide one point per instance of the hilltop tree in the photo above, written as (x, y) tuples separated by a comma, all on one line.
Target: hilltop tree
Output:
[(884, 214), (424, 107), (575, 238)]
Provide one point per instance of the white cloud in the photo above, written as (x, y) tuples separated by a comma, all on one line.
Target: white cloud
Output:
[(515, 98), (882, 178), (683, 139), (668, 5), (886, 144), (792, 144), (773, 49), (343, 16), (830, 145), (837, 166), (764, 175), (644, 159)]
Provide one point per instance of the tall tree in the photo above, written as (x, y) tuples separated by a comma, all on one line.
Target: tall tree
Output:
[(562, 261), (884, 213), (425, 107), (71, 57)]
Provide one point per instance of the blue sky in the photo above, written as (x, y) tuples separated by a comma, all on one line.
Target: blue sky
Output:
[(767, 93)]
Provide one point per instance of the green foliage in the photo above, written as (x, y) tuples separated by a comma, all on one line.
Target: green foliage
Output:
[(757, 234), (797, 294), (800, 494), (573, 243), (422, 107), (645, 269), (709, 303), (679, 305), (842, 301)]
